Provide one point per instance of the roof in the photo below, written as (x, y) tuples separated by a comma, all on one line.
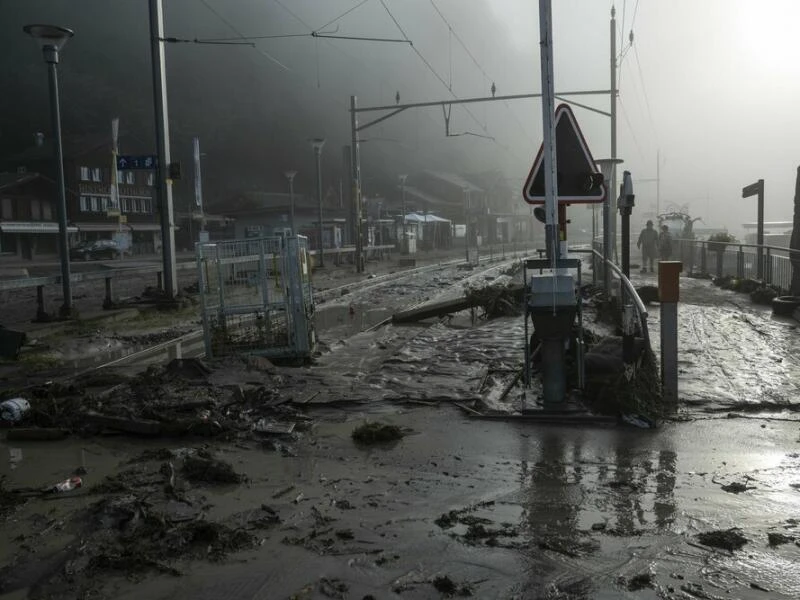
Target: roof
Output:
[(248, 202), (455, 180), (425, 196), (10, 180), (76, 145)]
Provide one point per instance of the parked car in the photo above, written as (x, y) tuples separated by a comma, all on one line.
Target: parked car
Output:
[(100, 249)]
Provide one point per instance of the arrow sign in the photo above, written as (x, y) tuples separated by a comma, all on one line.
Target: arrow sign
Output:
[(579, 182), (752, 189), (131, 163)]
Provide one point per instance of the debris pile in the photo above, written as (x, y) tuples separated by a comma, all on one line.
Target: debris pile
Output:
[(177, 399), (376, 433), (150, 517), (501, 298)]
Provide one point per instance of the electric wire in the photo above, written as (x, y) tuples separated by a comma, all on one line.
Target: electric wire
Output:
[(341, 16), (239, 33), (432, 70), (454, 33), (644, 93), (630, 128)]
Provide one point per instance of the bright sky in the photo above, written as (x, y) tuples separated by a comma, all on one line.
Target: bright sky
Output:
[(714, 88)]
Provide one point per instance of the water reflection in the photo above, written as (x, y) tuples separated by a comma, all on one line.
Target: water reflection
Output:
[(583, 490)]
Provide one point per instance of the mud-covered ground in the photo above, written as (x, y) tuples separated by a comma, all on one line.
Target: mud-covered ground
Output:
[(267, 495)]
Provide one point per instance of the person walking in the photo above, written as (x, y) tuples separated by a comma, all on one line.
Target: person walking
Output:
[(648, 243), (664, 243)]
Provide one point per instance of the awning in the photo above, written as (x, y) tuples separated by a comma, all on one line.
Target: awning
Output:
[(32, 227), (145, 226), (108, 226), (418, 218)]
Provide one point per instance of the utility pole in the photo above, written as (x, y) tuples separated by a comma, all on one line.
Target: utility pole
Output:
[(198, 185), (290, 176), (404, 243), (163, 183), (549, 126), (355, 164), (658, 183), (317, 144), (466, 224), (613, 187)]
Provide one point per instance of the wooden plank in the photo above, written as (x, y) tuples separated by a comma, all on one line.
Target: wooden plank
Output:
[(436, 309)]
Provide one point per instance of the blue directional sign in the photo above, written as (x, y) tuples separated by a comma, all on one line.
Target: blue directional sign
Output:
[(128, 162)]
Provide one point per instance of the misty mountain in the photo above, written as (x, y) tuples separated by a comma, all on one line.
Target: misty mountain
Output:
[(255, 108)]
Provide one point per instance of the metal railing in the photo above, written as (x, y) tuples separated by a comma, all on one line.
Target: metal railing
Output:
[(739, 260)]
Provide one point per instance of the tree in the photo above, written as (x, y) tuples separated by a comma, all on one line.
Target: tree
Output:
[(794, 243)]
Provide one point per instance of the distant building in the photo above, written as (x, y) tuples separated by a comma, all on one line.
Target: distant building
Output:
[(28, 221), (88, 175), (259, 214)]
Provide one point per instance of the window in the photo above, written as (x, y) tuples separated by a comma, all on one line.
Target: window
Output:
[(126, 205), (8, 208), (148, 205), (96, 175), (151, 179), (95, 204), (85, 204), (47, 211), (84, 173), (36, 210), (130, 178), (120, 176), (103, 203)]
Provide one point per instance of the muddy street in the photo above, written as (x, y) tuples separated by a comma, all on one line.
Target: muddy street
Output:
[(242, 479)]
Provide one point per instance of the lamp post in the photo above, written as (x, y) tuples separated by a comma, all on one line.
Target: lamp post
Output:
[(466, 223), (52, 38), (290, 176), (317, 145), (404, 243)]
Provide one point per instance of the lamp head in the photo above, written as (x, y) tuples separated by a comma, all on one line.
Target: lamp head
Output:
[(51, 36)]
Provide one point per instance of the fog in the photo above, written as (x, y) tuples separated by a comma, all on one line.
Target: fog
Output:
[(707, 86)]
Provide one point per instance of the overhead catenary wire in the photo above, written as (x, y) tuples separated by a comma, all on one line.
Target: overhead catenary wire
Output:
[(644, 93), (454, 33), (239, 33), (630, 128), (430, 67)]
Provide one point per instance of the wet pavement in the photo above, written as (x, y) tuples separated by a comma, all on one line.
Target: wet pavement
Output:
[(497, 509)]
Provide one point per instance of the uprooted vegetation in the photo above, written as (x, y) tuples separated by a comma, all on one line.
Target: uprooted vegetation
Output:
[(150, 518)]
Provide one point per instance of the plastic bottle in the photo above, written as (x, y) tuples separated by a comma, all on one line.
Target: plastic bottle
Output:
[(14, 409), (67, 485)]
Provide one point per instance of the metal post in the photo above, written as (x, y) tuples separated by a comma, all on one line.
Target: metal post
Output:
[(404, 244), (198, 183), (669, 294), (317, 144), (51, 57), (549, 127), (290, 176), (466, 225), (163, 183), (760, 230), (356, 183), (607, 240), (613, 217)]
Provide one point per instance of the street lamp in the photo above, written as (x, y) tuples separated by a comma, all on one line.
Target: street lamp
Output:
[(52, 38), (404, 243), (317, 144), (290, 176)]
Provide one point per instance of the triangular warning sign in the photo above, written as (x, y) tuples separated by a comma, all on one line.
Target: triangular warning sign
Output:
[(579, 182)]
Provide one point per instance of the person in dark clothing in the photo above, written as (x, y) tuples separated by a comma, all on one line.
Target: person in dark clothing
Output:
[(648, 243), (664, 243)]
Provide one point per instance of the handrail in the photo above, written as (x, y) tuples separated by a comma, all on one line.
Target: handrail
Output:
[(739, 244), (640, 306)]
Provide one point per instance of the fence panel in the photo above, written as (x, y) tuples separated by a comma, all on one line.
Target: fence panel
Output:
[(256, 297)]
